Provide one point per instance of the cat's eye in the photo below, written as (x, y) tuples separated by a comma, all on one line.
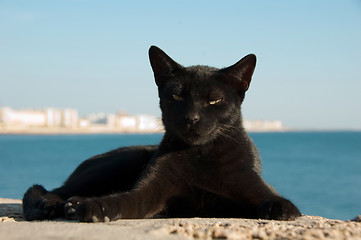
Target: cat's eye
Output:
[(213, 102), (177, 98)]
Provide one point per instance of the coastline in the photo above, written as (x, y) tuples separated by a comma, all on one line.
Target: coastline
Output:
[(77, 131), (13, 226), (70, 131)]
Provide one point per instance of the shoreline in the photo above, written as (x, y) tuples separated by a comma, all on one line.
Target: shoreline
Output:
[(67, 131), (13, 226), (120, 132)]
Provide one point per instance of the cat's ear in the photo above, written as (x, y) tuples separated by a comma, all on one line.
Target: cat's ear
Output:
[(240, 74), (163, 66)]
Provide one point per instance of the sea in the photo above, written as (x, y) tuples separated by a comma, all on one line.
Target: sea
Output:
[(319, 171)]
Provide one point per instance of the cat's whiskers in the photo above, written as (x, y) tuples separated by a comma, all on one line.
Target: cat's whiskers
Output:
[(224, 130), (160, 128), (157, 129)]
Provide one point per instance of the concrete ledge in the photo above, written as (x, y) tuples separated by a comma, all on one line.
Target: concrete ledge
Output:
[(13, 226)]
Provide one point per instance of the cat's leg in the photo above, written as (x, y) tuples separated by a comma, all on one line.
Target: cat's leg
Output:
[(148, 198), (270, 205), (253, 193), (103, 174), (142, 203)]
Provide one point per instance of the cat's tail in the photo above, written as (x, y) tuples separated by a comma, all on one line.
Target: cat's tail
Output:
[(39, 204)]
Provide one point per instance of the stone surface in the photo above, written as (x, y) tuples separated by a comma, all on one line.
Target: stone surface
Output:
[(13, 226)]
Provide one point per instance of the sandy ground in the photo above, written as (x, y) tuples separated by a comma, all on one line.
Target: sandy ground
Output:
[(13, 226)]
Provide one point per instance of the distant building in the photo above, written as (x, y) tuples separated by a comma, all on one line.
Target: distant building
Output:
[(97, 118), (39, 118), (69, 118), (259, 125), (138, 123), (11, 117), (84, 123)]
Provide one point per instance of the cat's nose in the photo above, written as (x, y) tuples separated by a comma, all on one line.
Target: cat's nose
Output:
[(192, 119)]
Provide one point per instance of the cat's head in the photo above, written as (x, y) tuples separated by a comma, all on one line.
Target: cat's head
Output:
[(200, 103)]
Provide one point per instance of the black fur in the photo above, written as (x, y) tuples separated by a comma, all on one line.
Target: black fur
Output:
[(205, 166)]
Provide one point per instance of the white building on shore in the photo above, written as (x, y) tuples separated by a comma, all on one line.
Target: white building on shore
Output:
[(67, 120), (48, 117), (263, 126), (137, 123)]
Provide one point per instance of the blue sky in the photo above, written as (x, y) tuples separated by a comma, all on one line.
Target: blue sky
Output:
[(92, 55)]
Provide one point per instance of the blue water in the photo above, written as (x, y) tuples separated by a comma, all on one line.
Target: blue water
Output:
[(319, 171)]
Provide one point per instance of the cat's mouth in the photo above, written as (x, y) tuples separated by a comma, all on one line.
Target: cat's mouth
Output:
[(192, 135), (196, 137)]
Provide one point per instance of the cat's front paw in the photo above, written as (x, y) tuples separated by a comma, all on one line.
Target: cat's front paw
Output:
[(96, 210), (71, 207), (278, 209)]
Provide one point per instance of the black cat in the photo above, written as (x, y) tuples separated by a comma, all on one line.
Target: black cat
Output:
[(205, 166)]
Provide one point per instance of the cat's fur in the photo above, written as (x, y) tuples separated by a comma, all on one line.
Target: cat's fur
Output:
[(205, 166)]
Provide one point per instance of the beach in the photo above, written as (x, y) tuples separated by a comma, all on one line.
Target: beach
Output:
[(13, 226)]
